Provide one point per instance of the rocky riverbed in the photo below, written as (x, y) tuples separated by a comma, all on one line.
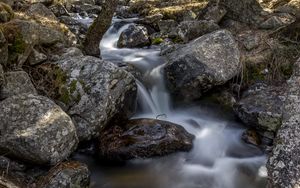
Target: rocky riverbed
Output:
[(142, 108)]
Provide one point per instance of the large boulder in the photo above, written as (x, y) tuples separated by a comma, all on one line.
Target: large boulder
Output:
[(16, 83), (67, 175), (95, 92), (40, 10), (208, 61), (134, 36), (261, 107), (142, 138), (23, 35), (189, 30), (34, 129), (284, 162)]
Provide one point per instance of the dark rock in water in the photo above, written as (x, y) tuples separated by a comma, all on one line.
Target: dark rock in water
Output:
[(284, 161), (251, 137), (34, 129), (143, 138), (67, 175), (208, 61), (134, 36), (261, 107), (189, 30)]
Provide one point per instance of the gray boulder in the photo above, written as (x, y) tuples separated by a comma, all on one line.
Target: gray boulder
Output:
[(261, 107), (284, 161), (133, 37), (36, 58), (67, 175), (208, 61), (16, 83), (40, 10), (34, 129), (278, 21), (189, 30), (143, 138), (95, 92), (168, 27)]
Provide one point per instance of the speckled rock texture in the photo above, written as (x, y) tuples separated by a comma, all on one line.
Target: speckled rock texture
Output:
[(261, 106), (207, 61), (189, 30), (16, 83), (134, 36), (67, 175), (3, 49), (97, 91), (1, 77), (34, 129), (143, 138), (284, 162)]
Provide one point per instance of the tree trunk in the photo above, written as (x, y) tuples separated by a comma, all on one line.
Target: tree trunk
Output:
[(98, 28)]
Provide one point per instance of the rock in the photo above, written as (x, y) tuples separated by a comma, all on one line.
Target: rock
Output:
[(23, 35), (214, 13), (78, 28), (95, 92), (251, 137), (284, 164), (3, 49), (45, 2), (251, 40), (59, 10), (168, 28), (151, 20), (7, 183), (1, 77), (88, 8), (6, 163), (208, 61), (133, 37), (189, 15), (292, 7), (189, 30), (40, 10), (260, 107), (17, 83), (143, 138), (6, 13), (67, 175), (36, 58), (278, 21), (36, 130)]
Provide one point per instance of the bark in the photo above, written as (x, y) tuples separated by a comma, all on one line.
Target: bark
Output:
[(98, 28)]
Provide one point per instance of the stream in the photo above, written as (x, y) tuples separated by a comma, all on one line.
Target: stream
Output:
[(219, 158)]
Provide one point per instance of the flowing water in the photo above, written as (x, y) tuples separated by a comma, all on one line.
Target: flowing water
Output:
[(219, 159)]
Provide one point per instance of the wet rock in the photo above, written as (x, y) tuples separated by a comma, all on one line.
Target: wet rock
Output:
[(6, 13), (36, 58), (189, 30), (143, 138), (23, 35), (284, 162), (95, 92), (277, 21), (251, 137), (208, 61), (40, 10), (36, 130), (16, 83), (67, 175), (261, 107), (133, 37), (59, 10)]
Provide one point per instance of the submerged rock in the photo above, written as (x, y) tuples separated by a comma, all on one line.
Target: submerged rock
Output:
[(208, 61), (261, 107), (143, 138), (133, 37), (189, 30), (34, 129), (67, 175), (284, 162), (94, 92)]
